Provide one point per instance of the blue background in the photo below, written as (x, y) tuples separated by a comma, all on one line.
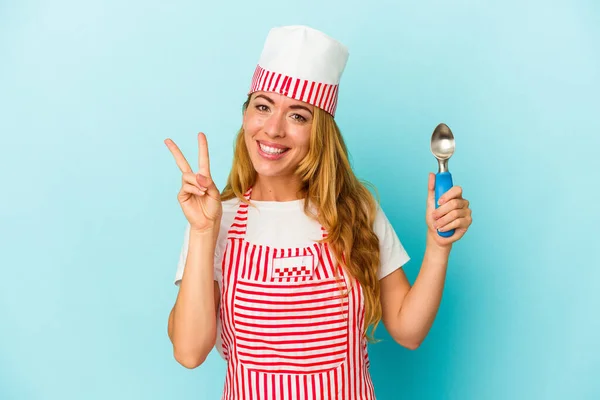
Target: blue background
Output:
[(91, 230)]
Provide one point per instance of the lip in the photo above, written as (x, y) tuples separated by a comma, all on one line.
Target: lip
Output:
[(270, 144), (268, 156)]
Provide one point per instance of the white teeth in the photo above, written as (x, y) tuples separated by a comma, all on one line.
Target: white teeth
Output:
[(270, 150)]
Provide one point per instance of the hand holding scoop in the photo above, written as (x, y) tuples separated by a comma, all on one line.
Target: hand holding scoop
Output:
[(442, 147)]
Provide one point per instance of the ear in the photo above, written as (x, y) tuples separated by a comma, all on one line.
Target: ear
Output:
[(244, 112), (246, 105)]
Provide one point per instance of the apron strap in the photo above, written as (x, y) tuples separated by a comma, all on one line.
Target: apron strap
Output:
[(237, 230)]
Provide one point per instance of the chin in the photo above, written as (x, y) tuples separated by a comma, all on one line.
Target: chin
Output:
[(268, 171)]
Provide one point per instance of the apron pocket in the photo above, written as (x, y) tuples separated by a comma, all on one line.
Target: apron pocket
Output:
[(295, 328)]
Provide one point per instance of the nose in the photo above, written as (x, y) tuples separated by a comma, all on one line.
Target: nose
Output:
[(275, 125)]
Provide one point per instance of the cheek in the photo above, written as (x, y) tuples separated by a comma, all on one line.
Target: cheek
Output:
[(302, 139), (252, 123)]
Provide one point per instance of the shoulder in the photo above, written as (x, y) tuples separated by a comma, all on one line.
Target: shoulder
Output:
[(383, 228), (230, 204), (229, 210), (392, 254), (230, 207), (381, 221)]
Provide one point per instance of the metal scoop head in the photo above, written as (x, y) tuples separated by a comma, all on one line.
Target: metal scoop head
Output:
[(442, 145)]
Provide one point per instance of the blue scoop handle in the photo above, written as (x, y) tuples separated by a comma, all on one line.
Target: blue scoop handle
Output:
[(443, 183)]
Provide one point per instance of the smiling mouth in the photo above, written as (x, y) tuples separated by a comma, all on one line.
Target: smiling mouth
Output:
[(272, 150)]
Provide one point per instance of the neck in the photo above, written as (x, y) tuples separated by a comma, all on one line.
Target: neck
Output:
[(276, 188)]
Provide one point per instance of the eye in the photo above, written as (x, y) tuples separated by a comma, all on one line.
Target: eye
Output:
[(298, 118), (262, 107)]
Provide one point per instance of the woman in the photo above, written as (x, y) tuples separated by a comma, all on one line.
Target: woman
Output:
[(286, 269)]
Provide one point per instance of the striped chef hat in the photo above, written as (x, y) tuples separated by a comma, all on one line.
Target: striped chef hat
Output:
[(302, 63)]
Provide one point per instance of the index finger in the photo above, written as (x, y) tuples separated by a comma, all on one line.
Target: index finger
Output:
[(203, 159), (182, 163), (452, 193)]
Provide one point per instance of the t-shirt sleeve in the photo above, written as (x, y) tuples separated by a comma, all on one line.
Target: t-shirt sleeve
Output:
[(392, 254), (184, 252)]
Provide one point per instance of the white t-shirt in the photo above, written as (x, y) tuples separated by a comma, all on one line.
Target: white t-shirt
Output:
[(285, 225)]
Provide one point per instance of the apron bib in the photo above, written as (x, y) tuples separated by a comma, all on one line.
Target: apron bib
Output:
[(291, 327)]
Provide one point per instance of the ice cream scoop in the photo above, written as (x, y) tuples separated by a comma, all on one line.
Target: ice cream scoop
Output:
[(442, 148)]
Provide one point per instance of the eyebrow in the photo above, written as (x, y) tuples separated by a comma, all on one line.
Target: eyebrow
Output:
[(293, 107), (299, 107)]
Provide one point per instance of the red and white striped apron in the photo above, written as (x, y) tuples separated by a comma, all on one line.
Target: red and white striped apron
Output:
[(290, 328)]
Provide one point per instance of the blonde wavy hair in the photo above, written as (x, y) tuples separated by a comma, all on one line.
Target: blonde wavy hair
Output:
[(344, 205)]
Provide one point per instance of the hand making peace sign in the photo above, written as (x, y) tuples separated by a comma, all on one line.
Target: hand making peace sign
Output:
[(199, 198)]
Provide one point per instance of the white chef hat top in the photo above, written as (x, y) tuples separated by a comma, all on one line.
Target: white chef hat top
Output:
[(302, 63)]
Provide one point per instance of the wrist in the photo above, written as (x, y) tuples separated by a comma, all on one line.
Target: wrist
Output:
[(209, 232), (432, 246), (204, 231), (211, 229)]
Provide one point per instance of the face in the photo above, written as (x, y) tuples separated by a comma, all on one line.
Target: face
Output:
[(277, 133)]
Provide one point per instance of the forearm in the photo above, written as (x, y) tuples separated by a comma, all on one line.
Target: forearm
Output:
[(193, 330), (421, 304)]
